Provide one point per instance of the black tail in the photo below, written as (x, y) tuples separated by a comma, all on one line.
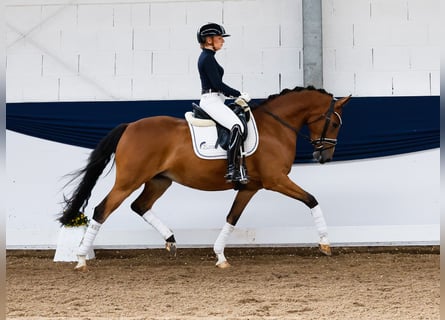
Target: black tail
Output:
[(98, 160)]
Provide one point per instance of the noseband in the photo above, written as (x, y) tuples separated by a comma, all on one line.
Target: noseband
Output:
[(319, 144)]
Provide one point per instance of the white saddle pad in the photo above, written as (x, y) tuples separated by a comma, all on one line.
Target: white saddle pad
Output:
[(204, 138)]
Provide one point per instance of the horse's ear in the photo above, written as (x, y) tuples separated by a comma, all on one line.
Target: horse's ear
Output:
[(343, 101)]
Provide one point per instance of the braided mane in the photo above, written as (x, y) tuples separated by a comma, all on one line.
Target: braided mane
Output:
[(297, 89)]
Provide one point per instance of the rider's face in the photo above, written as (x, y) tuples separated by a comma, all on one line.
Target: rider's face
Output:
[(218, 42)]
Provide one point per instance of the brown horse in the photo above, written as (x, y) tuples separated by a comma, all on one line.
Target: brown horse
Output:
[(158, 150)]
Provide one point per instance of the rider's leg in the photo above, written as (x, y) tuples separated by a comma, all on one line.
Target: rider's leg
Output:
[(213, 104), (233, 149)]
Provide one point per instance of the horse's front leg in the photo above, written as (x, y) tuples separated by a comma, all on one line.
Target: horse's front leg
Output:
[(241, 200), (287, 187)]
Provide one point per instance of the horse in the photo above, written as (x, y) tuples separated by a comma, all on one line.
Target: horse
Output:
[(155, 151)]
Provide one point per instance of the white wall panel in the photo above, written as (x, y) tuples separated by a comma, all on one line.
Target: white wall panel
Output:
[(372, 83), (95, 16), (409, 34), (45, 40), (243, 13), (291, 35), (24, 18), (96, 64), (425, 58), (155, 38), (123, 16), (290, 80), (337, 35), (201, 12), (391, 59), (435, 82), (58, 17), (114, 40), (256, 83), (408, 29), (117, 87), (151, 38), (168, 13), (245, 61), (191, 91), (389, 41), (423, 11), (37, 88), (258, 37), (389, 11), (24, 64), (151, 88), (347, 10), (140, 14), (370, 34), (344, 83), (413, 83), (78, 40), (71, 86), (170, 62), (282, 60)]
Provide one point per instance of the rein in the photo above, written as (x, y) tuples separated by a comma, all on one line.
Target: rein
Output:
[(320, 140)]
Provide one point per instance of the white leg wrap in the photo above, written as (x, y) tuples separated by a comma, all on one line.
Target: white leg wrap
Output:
[(88, 237), (152, 219), (320, 224), (221, 241)]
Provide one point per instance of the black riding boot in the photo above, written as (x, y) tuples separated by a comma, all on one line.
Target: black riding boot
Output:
[(233, 173)]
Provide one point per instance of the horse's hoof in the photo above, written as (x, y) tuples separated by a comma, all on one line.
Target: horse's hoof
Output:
[(81, 268), (223, 265), (171, 248), (325, 249)]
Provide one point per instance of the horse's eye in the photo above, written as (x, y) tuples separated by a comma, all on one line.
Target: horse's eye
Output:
[(335, 125)]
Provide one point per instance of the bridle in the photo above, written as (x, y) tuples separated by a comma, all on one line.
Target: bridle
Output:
[(319, 143)]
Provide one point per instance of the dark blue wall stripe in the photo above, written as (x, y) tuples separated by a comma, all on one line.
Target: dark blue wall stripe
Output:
[(372, 126)]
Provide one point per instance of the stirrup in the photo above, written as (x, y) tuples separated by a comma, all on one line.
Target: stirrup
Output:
[(243, 177), (232, 176), (236, 175)]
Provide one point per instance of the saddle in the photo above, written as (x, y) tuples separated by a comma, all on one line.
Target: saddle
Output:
[(222, 132), (210, 140)]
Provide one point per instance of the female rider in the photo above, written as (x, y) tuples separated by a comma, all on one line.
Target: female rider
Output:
[(214, 92)]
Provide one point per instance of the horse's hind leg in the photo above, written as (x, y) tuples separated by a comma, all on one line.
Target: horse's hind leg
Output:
[(101, 213), (153, 190), (241, 200)]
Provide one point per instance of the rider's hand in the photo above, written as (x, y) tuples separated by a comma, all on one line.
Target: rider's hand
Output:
[(245, 96)]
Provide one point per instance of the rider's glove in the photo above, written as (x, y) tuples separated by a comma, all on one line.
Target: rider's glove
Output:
[(245, 96)]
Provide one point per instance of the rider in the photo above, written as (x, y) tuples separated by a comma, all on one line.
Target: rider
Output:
[(214, 92)]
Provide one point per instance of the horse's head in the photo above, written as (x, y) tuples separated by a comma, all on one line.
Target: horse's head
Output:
[(324, 129)]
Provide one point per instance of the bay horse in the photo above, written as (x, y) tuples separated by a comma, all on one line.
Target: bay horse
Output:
[(156, 151)]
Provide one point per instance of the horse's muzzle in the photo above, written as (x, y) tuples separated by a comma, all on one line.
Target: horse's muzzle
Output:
[(323, 155)]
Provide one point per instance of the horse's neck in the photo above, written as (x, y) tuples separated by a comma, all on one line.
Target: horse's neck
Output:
[(290, 110)]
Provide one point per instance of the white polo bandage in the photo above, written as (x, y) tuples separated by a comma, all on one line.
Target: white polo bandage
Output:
[(154, 221), (223, 236), (319, 221), (88, 238)]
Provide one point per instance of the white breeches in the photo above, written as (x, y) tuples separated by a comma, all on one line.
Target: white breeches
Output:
[(213, 104)]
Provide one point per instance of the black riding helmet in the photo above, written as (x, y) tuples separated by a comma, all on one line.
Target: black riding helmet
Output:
[(210, 29)]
